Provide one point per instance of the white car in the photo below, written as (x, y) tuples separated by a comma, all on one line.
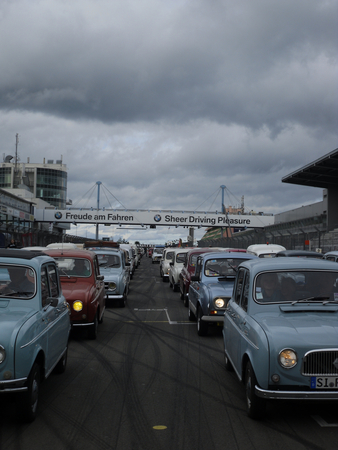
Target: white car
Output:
[(265, 250), (157, 255), (167, 257), (175, 267)]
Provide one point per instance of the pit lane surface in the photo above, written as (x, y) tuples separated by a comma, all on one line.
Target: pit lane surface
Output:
[(150, 382)]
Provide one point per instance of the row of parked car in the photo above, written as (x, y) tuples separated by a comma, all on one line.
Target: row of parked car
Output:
[(278, 311), (44, 292)]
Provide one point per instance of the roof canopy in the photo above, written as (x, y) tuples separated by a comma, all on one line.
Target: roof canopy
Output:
[(322, 173)]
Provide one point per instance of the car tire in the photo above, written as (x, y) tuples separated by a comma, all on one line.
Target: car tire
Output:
[(92, 332), (62, 364), (181, 294), (255, 405), (227, 363), (170, 283), (185, 299), (191, 316), (123, 301), (174, 287), (27, 403), (202, 327)]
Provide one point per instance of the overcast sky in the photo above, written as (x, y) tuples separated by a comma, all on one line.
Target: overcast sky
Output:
[(163, 101)]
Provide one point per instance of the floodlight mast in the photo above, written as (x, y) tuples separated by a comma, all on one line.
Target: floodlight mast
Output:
[(98, 207)]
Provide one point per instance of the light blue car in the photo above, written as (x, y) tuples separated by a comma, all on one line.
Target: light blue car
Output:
[(211, 287), (280, 331), (34, 326), (115, 269)]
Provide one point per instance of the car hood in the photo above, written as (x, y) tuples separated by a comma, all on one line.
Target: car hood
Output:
[(221, 288), (74, 291), (307, 329), (110, 274), (11, 319)]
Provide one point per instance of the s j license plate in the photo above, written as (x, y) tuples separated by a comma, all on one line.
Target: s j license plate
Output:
[(324, 382)]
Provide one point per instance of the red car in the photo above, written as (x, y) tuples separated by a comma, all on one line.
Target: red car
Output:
[(189, 268), (83, 287)]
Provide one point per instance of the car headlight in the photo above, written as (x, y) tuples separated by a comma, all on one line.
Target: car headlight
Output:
[(112, 286), (287, 358), (219, 302), (77, 305), (2, 354)]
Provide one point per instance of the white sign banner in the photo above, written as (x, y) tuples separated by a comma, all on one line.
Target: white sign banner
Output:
[(166, 218)]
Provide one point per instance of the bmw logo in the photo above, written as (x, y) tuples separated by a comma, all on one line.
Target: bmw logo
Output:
[(58, 215), (157, 218)]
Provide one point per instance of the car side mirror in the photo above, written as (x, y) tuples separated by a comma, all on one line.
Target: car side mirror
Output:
[(171, 263), (53, 301), (100, 277)]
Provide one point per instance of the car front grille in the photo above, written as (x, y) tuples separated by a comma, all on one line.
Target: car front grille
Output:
[(320, 362)]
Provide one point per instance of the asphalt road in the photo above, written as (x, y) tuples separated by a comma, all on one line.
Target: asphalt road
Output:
[(150, 382)]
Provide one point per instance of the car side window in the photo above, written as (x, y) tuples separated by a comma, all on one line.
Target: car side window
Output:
[(239, 285), (53, 280), (198, 267), (44, 286), (245, 292)]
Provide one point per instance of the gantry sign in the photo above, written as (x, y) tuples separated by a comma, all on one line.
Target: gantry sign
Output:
[(151, 218)]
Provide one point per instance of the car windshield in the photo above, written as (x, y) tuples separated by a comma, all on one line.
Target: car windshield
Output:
[(106, 260), (169, 255), (221, 267), (17, 281), (296, 286), (159, 251), (73, 267)]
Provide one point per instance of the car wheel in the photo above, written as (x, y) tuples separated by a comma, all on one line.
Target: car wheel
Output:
[(185, 299), (191, 315), (255, 405), (227, 363), (174, 287), (202, 327), (61, 365), (123, 301), (170, 283), (92, 332), (181, 294), (27, 403)]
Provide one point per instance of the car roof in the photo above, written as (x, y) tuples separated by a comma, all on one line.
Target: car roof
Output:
[(333, 253), (299, 253), (257, 265), (18, 253), (70, 253), (230, 255)]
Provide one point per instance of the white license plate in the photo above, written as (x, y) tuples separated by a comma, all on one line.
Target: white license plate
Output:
[(324, 382)]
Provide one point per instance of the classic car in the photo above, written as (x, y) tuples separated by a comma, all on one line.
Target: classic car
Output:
[(331, 256), (167, 256), (157, 255), (189, 266), (175, 267), (34, 326), (131, 258), (115, 269), (265, 250), (83, 287), (211, 287), (280, 331)]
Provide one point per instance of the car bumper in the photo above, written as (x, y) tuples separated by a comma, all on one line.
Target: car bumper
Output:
[(212, 318), (296, 395), (13, 385), (112, 296)]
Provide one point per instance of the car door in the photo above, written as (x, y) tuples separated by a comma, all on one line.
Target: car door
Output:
[(232, 319), (194, 289), (55, 317)]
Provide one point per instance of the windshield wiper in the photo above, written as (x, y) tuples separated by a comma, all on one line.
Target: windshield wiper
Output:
[(310, 299)]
